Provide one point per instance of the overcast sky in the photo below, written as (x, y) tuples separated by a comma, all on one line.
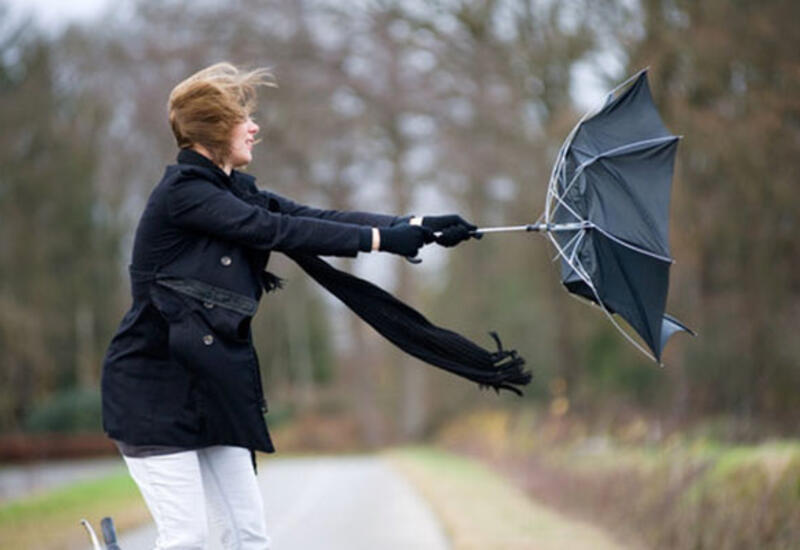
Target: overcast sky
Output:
[(54, 14)]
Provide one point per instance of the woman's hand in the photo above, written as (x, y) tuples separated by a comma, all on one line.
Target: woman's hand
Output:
[(403, 239), (452, 228)]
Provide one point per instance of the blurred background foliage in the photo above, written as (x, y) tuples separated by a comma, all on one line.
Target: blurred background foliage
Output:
[(415, 107)]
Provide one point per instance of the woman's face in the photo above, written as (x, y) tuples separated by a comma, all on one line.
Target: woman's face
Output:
[(242, 140)]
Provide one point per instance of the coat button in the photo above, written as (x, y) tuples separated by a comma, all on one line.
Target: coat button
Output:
[(225, 260), (208, 339), (208, 305)]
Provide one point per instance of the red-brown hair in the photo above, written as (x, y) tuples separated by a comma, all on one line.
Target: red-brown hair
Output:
[(204, 108)]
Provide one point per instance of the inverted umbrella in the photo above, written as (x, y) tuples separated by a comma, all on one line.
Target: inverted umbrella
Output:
[(607, 213)]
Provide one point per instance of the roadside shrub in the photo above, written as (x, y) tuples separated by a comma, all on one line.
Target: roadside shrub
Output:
[(753, 505), (682, 493), (73, 410)]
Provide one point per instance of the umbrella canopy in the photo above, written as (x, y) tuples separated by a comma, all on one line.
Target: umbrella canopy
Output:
[(608, 203)]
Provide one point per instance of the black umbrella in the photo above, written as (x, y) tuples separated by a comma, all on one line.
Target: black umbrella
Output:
[(607, 212)]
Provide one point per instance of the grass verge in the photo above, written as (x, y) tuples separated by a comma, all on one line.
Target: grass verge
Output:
[(673, 492), (480, 509), (50, 521)]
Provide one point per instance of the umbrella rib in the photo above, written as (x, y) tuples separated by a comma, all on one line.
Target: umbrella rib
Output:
[(579, 234), (629, 80), (633, 247), (611, 236), (641, 209), (569, 209), (560, 199), (577, 244), (627, 336), (577, 267), (629, 147), (582, 167), (559, 164)]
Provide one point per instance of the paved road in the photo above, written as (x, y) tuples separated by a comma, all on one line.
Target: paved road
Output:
[(333, 503)]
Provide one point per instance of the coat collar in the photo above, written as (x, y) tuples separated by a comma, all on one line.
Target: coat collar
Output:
[(192, 157)]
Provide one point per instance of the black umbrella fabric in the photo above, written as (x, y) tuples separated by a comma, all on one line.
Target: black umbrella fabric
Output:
[(607, 212)]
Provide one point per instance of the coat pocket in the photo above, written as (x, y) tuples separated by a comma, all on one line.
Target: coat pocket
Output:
[(225, 314), (202, 333)]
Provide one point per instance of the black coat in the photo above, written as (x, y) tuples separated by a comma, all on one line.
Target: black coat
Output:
[(181, 369)]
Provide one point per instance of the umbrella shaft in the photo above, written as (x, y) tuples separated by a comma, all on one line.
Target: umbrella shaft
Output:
[(538, 227)]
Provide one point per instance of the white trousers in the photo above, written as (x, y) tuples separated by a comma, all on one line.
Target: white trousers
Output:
[(179, 487)]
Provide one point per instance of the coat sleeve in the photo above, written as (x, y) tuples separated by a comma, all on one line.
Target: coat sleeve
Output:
[(293, 208), (199, 205)]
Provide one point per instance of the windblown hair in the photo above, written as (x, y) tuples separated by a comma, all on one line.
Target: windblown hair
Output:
[(204, 108)]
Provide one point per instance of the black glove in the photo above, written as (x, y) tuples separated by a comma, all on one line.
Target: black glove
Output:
[(438, 223), (404, 239), (453, 235), (454, 229)]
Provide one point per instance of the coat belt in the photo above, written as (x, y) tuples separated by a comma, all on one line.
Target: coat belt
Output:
[(218, 296)]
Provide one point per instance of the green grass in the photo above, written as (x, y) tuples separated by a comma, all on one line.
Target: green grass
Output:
[(478, 508), (51, 520)]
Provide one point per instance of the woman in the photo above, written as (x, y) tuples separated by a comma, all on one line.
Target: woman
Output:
[(181, 385)]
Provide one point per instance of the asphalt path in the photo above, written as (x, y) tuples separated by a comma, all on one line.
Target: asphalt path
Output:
[(333, 503)]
